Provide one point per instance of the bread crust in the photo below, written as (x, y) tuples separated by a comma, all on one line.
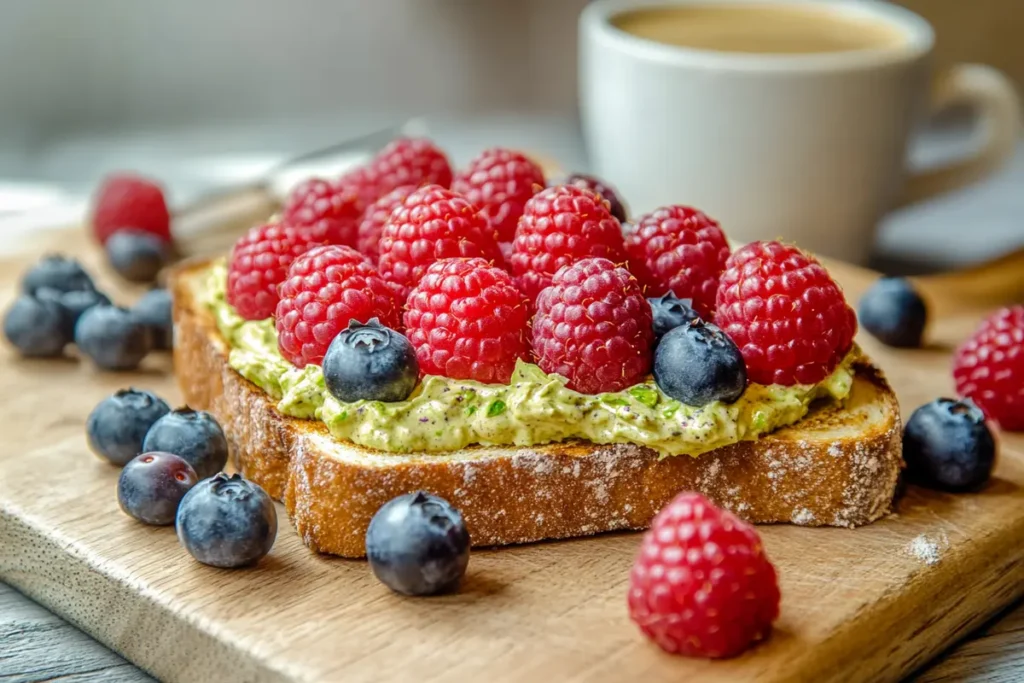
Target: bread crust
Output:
[(518, 495)]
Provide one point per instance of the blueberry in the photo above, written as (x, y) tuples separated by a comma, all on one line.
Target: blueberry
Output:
[(370, 362), (36, 327), (670, 312), (227, 521), (56, 271), (137, 256), (698, 363), (948, 446), (194, 435), (154, 310), (893, 312), (152, 485), (112, 337), (75, 302), (589, 182), (117, 426), (417, 544)]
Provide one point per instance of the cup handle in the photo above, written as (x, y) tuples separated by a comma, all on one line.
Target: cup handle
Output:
[(993, 96)]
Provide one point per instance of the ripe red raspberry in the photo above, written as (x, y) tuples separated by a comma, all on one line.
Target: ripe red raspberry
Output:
[(326, 288), (331, 210), (785, 313), (989, 368), (599, 187), (701, 585), (431, 224), (467, 320), (680, 250), (593, 327), (130, 201), (364, 182), (410, 161), (499, 182), (371, 225), (259, 263), (561, 225)]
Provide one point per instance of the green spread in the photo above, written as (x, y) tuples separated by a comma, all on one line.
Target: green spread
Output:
[(534, 408)]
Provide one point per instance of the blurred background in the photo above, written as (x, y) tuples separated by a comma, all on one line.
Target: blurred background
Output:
[(206, 94)]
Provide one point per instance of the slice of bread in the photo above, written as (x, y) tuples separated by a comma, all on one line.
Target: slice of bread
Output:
[(838, 466)]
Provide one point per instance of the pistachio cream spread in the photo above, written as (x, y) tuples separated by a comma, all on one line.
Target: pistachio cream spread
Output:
[(534, 408)]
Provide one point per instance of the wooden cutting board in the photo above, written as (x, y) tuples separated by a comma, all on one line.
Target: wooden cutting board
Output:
[(871, 604)]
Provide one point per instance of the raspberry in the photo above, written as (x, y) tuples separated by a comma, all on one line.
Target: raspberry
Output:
[(130, 201), (989, 368), (561, 225), (506, 255), (410, 161), (364, 181), (593, 327), (701, 585), (433, 223), (679, 250), (330, 210), (259, 263), (499, 182), (599, 187), (467, 320), (785, 313), (371, 225), (326, 288)]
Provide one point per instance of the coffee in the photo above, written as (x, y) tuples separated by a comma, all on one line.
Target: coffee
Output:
[(765, 29)]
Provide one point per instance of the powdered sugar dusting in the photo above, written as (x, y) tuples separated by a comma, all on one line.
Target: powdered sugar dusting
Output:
[(803, 517), (928, 550)]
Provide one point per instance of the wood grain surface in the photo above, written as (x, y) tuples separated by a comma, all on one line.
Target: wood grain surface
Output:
[(872, 604)]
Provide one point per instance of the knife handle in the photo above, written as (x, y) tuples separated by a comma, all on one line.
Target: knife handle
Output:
[(211, 225)]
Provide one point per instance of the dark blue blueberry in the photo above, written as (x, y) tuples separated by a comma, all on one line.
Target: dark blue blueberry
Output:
[(37, 328), (75, 302), (370, 362), (417, 544), (669, 313), (137, 256), (598, 186), (194, 435), (117, 426), (893, 312), (948, 446), (152, 485), (698, 363), (56, 271), (227, 521), (112, 337), (154, 310)]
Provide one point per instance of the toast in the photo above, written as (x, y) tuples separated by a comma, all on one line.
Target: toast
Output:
[(838, 466)]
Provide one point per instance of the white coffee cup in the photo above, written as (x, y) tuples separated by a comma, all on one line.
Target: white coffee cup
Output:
[(810, 147)]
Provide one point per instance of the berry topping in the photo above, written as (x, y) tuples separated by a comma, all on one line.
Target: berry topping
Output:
[(37, 328), (499, 182), (702, 585), (259, 263), (227, 522), (152, 485), (371, 225), (697, 363), (599, 187), (409, 161), (559, 226), (989, 368), (432, 224), (467, 320), (153, 310), (785, 313), (74, 302), (329, 210), (129, 201), (58, 272), (194, 435), (112, 338), (417, 544), (593, 327), (681, 251), (327, 287), (893, 312), (370, 362), (118, 425), (948, 446), (135, 255), (669, 313)]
